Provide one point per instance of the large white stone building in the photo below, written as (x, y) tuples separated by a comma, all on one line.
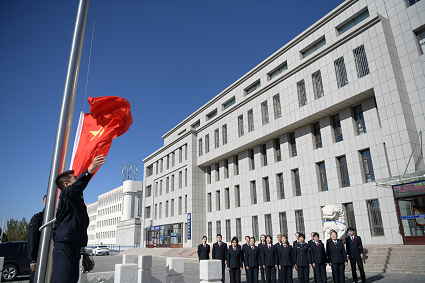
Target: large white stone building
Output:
[(321, 121)]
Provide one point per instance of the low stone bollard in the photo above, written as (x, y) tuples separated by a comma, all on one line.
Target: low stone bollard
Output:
[(127, 258), (174, 268), (210, 270), (144, 274), (126, 273), (1, 264)]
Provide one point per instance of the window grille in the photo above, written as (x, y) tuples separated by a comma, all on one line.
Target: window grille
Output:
[(296, 173), (238, 228), (277, 150), (360, 59), (200, 147), (302, 96), (317, 135), (236, 165), (283, 223), (323, 178), (217, 195), (269, 225), (210, 232), (240, 125), (375, 219), (227, 198), (207, 143), (337, 128), (251, 157), (216, 138), (237, 196), (264, 153), (317, 84), (341, 72), (265, 112), (281, 188), (345, 179), (228, 231), (250, 120), (224, 133), (276, 106), (349, 212), (255, 232), (253, 193), (218, 226), (293, 144), (359, 119), (367, 166), (266, 189), (299, 220)]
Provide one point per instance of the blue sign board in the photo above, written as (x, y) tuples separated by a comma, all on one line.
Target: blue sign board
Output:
[(156, 228), (151, 224), (189, 226), (413, 216)]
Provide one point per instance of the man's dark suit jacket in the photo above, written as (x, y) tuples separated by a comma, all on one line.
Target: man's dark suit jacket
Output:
[(203, 253)]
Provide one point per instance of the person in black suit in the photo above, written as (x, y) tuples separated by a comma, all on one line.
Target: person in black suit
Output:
[(337, 258), (204, 249), (279, 271), (252, 261), (311, 241), (219, 251), (355, 254), (286, 260), (268, 260), (318, 259), (244, 247), (234, 261), (301, 252), (297, 235), (262, 245), (330, 239)]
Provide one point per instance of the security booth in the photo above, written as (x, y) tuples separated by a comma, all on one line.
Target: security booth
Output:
[(410, 203), (168, 235)]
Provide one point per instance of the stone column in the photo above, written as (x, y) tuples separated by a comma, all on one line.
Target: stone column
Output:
[(127, 258), (174, 268), (210, 270), (144, 274), (125, 273)]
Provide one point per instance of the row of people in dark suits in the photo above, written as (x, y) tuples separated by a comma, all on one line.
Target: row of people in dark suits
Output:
[(267, 258)]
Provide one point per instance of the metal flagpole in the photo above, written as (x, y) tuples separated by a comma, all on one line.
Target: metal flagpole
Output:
[(60, 151)]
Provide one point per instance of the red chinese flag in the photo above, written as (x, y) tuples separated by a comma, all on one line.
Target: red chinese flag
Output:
[(109, 117)]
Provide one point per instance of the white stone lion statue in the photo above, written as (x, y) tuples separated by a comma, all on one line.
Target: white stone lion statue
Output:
[(334, 219)]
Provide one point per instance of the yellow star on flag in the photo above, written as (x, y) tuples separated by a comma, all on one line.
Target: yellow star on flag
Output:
[(95, 133)]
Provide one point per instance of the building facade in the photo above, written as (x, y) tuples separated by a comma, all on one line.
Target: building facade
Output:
[(316, 123)]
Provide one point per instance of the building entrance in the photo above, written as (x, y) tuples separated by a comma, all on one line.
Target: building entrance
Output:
[(168, 235)]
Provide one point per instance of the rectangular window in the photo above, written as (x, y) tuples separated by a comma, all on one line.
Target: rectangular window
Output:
[(229, 103), (367, 166), (255, 231), (281, 189), (160, 187), (224, 133), (283, 67), (349, 212), (162, 164), (200, 147), (185, 152), (240, 126), (148, 212), (317, 85), (283, 223), (421, 37), (253, 87), (299, 221), (250, 120), (360, 59), (265, 112), (302, 95), (216, 138), (317, 135), (217, 197), (166, 209), (228, 231), (341, 72), (315, 46), (217, 168), (253, 193), (173, 159), (149, 170), (160, 210), (212, 114), (237, 196), (227, 198), (156, 212), (168, 162), (148, 191), (197, 124), (268, 223), (180, 155), (172, 207), (236, 159), (185, 204), (180, 205), (353, 21), (264, 154), (210, 231), (277, 150), (209, 201), (208, 169), (157, 167), (276, 106), (266, 189), (336, 124), (359, 119), (345, 179), (238, 228), (375, 218), (226, 168), (185, 177), (180, 179), (296, 174), (156, 189), (207, 143), (218, 227), (172, 182), (293, 144), (322, 176), (251, 158)]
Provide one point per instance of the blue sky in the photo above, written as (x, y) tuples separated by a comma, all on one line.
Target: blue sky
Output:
[(167, 58)]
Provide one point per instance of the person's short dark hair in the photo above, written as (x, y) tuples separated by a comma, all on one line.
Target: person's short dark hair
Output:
[(333, 231), (262, 235), (44, 198), (219, 235), (247, 237), (235, 239), (252, 238), (269, 236), (62, 178), (204, 237), (316, 234), (352, 229), (297, 233), (301, 235)]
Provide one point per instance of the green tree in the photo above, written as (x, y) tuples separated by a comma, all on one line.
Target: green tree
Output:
[(17, 230)]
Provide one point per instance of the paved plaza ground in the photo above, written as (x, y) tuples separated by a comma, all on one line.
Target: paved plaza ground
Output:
[(191, 275)]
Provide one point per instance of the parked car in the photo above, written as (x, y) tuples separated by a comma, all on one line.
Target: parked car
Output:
[(100, 250), (89, 249), (88, 262), (15, 260)]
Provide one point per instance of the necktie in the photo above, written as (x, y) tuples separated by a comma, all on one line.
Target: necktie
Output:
[(204, 245), (234, 248), (352, 239), (219, 245), (252, 247), (335, 243), (269, 247), (284, 246), (317, 244), (263, 244)]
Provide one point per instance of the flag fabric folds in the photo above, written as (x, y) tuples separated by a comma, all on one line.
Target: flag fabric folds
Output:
[(109, 117)]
